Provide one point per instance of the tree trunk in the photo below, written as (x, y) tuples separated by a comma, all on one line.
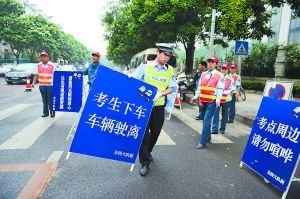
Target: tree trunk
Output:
[(32, 53), (189, 52), (17, 53), (17, 57)]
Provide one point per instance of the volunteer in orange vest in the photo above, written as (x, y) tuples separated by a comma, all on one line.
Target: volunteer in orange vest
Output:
[(225, 101), (44, 73), (235, 95), (209, 92)]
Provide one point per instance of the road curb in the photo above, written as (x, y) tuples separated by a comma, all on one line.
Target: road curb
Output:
[(238, 117)]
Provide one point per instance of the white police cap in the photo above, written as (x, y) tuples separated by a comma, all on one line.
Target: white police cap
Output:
[(167, 48)]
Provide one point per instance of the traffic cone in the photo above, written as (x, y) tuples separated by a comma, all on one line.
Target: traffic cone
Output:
[(177, 100), (28, 87)]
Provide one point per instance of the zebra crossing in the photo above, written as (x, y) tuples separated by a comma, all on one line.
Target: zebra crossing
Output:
[(27, 136)]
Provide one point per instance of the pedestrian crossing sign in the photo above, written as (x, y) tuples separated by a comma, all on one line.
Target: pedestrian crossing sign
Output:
[(241, 48)]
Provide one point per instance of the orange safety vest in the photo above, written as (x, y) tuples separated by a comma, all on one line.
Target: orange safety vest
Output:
[(228, 81), (45, 73), (208, 87)]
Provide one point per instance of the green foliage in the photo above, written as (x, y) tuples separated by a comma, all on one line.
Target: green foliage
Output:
[(31, 34), (135, 26), (296, 90), (293, 61), (243, 19), (261, 60), (259, 85)]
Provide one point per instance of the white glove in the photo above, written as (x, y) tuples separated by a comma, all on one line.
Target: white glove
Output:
[(157, 96), (218, 102), (227, 92)]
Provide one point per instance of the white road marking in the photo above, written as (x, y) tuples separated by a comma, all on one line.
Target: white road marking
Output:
[(196, 125), (164, 139), (55, 156), (13, 110), (27, 136)]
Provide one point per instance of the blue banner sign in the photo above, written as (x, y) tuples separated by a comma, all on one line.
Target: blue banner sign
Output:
[(115, 117), (67, 91), (273, 146)]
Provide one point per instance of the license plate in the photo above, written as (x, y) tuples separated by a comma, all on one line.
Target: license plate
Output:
[(14, 78)]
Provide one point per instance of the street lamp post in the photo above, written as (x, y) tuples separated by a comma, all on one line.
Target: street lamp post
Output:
[(212, 32)]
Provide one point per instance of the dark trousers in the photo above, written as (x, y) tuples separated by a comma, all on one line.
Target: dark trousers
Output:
[(152, 132), (231, 111), (47, 93)]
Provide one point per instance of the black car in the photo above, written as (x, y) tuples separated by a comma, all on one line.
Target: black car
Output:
[(20, 73)]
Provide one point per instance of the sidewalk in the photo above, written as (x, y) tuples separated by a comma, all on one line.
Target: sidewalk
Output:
[(246, 110)]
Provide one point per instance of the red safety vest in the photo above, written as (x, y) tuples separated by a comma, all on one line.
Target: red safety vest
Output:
[(225, 97), (208, 86), (235, 77), (45, 73)]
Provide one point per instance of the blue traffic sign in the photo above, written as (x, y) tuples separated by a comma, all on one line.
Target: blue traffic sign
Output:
[(67, 91), (115, 117), (273, 146), (241, 48)]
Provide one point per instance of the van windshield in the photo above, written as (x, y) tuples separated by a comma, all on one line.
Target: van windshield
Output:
[(151, 57)]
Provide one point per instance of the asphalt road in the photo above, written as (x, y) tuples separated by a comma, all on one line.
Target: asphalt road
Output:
[(33, 149)]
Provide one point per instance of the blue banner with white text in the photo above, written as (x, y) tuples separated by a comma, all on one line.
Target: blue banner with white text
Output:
[(115, 117), (67, 91), (273, 146)]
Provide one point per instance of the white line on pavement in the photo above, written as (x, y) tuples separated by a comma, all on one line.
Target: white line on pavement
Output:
[(164, 139), (55, 156), (196, 125), (13, 110), (27, 136)]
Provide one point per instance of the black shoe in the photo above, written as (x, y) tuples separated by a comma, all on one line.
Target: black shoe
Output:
[(144, 170), (214, 132), (150, 157), (230, 121), (45, 115), (200, 146), (52, 114), (198, 118), (222, 131), (209, 139)]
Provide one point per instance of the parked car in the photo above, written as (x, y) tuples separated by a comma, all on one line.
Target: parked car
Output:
[(5, 68), (20, 73)]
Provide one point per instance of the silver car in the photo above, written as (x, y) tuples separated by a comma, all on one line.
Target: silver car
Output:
[(20, 73), (5, 68)]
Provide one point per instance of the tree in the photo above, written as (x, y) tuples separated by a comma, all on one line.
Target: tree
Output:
[(139, 24), (9, 10), (16, 37)]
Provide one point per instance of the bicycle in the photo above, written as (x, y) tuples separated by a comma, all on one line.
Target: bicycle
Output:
[(242, 94)]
